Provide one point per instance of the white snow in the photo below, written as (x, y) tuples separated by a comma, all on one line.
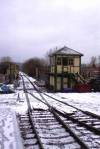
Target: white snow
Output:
[(84, 101), (9, 132), (16, 102)]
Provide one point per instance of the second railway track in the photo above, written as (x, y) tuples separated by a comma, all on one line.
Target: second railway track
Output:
[(52, 134), (59, 130), (55, 133)]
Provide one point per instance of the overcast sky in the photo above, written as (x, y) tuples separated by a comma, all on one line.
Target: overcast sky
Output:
[(30, 28)]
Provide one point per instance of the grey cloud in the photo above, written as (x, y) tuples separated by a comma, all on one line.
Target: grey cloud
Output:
[(31, 28)]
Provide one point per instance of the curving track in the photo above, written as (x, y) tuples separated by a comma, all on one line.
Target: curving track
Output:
[(54, 128)]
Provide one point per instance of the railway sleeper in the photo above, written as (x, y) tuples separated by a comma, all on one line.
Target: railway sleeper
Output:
[(89, 127), (81, 143)]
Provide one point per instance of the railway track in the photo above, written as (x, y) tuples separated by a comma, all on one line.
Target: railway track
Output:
[(50, 131), (27, 132), (53, 128), (83, 116), (53, 134), (88, 134)]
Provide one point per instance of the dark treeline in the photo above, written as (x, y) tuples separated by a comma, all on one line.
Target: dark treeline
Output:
[(94, 62), (91, 69), (35, 67), (39, 67)]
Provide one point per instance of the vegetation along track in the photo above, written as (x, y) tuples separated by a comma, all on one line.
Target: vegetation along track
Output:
[(83, 136)]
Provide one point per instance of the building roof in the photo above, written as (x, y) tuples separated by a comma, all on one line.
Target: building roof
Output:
[(66, 51)]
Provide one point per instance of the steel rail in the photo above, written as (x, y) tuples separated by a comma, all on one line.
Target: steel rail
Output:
[(85, 112), (38, 91), (56, 115), (65, 114), (78, 140), (30, 116), (89, 127), (27, 99), (67, 128)]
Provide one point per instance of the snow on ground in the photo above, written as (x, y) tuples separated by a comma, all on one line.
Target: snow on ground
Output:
[(16, 102), (85, 101), (21, 105), (9, 132)]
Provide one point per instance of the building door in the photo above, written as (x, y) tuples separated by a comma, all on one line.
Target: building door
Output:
[(65, 83), (58, 83)]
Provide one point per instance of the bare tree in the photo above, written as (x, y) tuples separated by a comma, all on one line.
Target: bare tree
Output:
[(6, 59), (93, 61), (99, 63), (34, 67), (99, 60), (49, 52), (4, 64)]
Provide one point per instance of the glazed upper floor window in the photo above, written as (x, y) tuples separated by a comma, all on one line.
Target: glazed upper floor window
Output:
[(67, 61), (71, 61), (58, 60)]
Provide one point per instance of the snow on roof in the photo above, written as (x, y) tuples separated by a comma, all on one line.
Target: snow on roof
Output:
[(66, 51)]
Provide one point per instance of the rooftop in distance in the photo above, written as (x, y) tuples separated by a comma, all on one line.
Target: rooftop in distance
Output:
[(66, 51)]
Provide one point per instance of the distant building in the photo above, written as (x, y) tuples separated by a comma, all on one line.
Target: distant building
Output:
[(65, 64), (12, 72), (8, 72)]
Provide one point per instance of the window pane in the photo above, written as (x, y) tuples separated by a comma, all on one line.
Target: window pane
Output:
[(71, 62), (58, 61), (65, 61)]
